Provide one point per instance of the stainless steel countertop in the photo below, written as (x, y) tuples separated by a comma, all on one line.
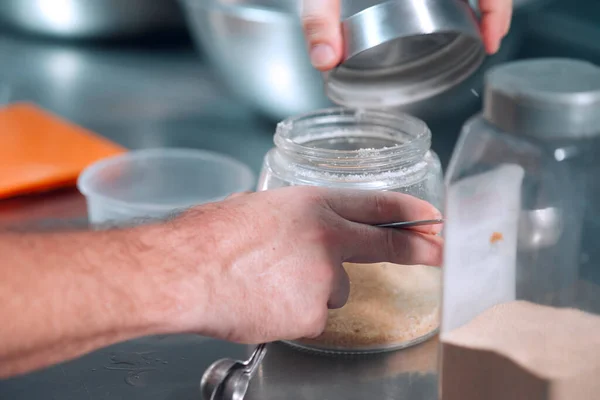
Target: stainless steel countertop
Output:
[(166, 97)]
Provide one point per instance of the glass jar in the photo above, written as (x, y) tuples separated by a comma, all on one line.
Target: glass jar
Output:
[(523, 209), (367, 150)]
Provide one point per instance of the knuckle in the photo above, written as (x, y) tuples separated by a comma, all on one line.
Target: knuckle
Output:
[(319, 234), (319, 273), (391, 247), (322, 232), (315, 322), (314, 26), (307, 196), (326, 273), (381, 205)]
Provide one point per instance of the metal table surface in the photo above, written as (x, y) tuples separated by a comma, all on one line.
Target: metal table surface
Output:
[(154, 97)]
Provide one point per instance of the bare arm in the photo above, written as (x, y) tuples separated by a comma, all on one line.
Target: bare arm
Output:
[(64, 294), (257, 268)]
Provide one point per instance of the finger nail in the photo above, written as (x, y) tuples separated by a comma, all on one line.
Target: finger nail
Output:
[(496, 47), (436, 229), (322, 56), (492, 48)]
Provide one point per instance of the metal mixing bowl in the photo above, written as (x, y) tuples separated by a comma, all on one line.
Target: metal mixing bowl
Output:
[(258, 49), (87, 19)]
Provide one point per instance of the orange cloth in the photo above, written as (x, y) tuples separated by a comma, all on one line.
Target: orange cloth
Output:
[(39, 151)]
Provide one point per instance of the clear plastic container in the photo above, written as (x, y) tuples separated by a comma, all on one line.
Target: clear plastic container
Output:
[(367, 150), (523, 196), (155, 183)]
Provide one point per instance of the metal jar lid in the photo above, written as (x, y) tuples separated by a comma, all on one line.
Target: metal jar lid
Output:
[(549, 98), (402, 51)]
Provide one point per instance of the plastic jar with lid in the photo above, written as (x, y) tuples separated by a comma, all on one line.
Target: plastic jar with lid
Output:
[(523, 220), (390, 306), (525, 170)]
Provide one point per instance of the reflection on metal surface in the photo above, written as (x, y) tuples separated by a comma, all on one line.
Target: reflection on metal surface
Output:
[(84, 19), (288, 373), (400, 52), (565, 153), (57, 13), (539, 228), (65, 66), (229, 379), (261, 55)]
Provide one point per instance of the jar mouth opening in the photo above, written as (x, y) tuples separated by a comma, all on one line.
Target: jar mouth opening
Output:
[(344, 134)]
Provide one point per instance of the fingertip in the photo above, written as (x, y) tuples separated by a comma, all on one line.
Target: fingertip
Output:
[(438, 252), (414, 248), (487, 35), (427, 250), (495, 22), (491, 43), (507, 24), (398, 246), (323, 57), (433, 229), (322, 29), (508, 14), (437, 214), (494, 27), (492, 47), (427, 212)]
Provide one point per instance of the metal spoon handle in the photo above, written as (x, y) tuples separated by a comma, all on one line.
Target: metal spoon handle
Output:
[(410, 224), (257, 356)]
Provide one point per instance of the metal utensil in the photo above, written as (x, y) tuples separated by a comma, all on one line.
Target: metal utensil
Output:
[(540, 229), (236, 385), (410, 224), (214, 376), (401, 51), (229, 379)]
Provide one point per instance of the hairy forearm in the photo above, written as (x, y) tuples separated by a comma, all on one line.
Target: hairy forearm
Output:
[(65, 294)]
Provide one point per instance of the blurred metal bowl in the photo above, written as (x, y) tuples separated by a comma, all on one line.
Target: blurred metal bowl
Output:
[(258, 48), (91, 19)]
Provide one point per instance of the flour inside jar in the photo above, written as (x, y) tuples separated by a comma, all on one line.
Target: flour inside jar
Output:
[(390, 306)]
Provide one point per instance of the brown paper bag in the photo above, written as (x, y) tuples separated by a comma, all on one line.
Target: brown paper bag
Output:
[(523, 351)]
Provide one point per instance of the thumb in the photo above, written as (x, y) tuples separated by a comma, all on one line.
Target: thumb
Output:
[(321, 24)]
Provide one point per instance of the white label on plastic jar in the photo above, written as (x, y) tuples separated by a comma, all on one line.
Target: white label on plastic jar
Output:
[(482, 219)]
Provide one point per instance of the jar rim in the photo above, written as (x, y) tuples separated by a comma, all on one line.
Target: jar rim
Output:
[(417, 131)]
